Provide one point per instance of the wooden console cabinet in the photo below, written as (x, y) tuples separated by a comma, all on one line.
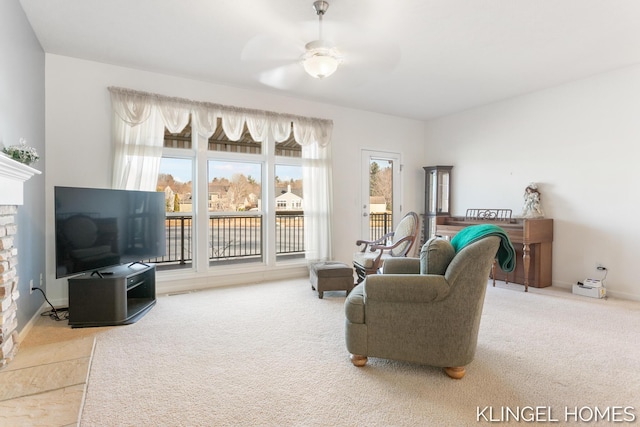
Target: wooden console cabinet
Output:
[(117, 296), (532, 240)]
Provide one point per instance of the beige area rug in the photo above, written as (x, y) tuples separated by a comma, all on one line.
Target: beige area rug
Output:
[(273, 354)]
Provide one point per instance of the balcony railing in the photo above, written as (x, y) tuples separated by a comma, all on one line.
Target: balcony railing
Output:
[(238, 237), (289, 232), (380, 224), (231, 238), (235, 237)]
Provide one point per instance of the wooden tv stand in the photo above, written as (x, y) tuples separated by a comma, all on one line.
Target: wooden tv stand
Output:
[(117, 296)]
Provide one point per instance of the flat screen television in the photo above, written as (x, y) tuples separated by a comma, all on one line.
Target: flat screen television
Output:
[(97, 228)]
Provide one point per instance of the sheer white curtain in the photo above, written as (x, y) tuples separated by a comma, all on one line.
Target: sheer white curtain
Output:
[(318, 204), (139, 120), (314, 136), (138, 135)]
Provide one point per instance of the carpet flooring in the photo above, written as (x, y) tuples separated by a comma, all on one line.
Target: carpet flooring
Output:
[(273, 354)]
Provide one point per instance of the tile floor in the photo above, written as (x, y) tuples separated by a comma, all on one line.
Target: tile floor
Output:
[(45, 384)]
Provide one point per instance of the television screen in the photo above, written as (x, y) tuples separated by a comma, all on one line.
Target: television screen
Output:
[(97, 228)]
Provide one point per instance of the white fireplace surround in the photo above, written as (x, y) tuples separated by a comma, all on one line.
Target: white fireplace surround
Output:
[(13, 174)]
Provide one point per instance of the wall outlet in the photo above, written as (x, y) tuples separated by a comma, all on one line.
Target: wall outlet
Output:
[(601, 267), (30, 286)]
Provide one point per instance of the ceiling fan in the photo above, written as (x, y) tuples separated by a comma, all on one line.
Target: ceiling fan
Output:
[(281, 62), (321, 58)]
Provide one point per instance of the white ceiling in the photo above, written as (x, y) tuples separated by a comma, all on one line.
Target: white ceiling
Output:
[(436, 56)]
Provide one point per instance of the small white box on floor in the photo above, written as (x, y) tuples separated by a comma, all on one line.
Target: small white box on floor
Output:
[(590, 288)]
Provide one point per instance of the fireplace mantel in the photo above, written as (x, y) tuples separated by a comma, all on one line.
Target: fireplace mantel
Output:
[(13, 174)]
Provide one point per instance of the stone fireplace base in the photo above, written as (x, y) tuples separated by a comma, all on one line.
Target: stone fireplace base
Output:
[(8, 284)]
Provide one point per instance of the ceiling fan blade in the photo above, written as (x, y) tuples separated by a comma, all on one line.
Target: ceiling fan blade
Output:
[(380, 56), (366, 62), (264, 47), (284, 77)]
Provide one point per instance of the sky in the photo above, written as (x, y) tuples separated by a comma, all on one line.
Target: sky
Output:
[(221, 169), (181, 169)]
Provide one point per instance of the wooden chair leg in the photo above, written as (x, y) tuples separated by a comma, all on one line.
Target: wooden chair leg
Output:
[(358, 360), (493, 272), (456, 372)]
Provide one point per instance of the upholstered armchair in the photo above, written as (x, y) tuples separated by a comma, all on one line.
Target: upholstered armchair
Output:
[(430, 318), (397, 243)]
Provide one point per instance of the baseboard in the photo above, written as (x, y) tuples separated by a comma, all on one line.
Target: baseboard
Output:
[(172, 282), (27, 327)]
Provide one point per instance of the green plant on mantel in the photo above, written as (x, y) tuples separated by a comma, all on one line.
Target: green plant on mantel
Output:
[(22, 153)]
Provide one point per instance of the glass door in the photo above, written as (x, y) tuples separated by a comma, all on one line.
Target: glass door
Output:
[(380, 201)]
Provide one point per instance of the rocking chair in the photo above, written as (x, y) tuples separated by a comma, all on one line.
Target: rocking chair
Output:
[(397, 243)]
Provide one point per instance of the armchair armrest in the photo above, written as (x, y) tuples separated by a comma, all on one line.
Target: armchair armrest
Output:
[(395, 245), (376, 242), (401, 265), (406, 288)]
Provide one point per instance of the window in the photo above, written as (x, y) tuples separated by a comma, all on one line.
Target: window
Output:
[(235, 217), (176, 181), (236, 209), (141, 142), (289, 214)]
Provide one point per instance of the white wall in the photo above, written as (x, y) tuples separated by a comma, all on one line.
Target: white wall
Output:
[(22, 115), (79, 148), (579, 142)]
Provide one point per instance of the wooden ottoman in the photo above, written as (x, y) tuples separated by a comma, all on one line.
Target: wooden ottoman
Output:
[(331, 276)]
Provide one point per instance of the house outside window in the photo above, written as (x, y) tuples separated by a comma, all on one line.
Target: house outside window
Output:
[(288, 200)]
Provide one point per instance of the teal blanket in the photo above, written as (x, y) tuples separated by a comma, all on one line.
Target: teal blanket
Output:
[(506, 253)]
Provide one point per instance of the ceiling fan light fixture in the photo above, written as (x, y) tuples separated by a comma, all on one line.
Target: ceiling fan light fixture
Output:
[(320, 60)]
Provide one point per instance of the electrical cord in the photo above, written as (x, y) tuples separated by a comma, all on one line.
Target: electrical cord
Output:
[(605, 275), (56, 314)]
